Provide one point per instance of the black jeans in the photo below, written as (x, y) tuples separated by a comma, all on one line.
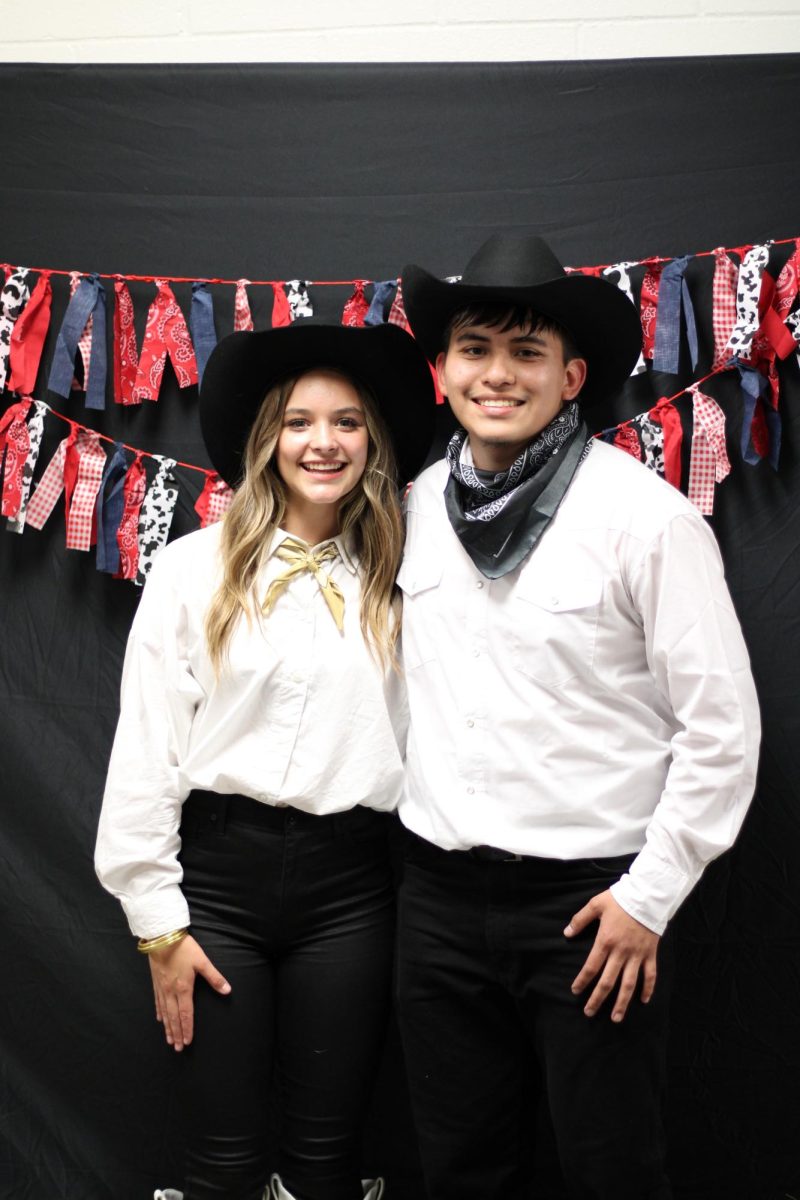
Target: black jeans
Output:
[(297, 912), (484, 974)]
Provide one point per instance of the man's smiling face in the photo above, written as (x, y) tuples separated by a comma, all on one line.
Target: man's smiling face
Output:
[(504, 386)]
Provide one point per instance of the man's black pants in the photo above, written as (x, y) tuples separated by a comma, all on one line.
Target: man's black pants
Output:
[(484, 974)]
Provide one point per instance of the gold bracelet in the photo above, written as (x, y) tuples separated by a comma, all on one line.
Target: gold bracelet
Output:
[(148, 945)]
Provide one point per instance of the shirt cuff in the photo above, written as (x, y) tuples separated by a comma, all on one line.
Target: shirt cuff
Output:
[(652, 891), (161, 912)]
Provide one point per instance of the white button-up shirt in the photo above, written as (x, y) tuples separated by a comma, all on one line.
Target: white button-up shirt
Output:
[(302, 715), (595, 701)]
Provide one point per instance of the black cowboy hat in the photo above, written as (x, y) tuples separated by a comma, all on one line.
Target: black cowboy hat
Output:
[(243, 366), (601, 320)]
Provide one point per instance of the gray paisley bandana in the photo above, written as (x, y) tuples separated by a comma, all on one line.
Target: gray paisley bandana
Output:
[(500, 520)]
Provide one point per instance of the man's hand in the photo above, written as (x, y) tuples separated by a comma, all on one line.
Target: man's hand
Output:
[(622, 948), (173, 970)]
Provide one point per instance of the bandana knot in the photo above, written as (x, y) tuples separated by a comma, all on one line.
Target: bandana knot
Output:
[(301, 558)]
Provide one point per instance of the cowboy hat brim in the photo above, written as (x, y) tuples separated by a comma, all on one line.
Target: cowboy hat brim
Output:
[(599, 317), (243, 366)]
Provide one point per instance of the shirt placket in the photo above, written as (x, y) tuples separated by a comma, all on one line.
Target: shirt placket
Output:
[(473, 733)]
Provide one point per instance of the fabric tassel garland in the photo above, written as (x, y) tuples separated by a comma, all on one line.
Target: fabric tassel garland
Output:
[(397, 313), (381, 296), (155, 518), (88, 301), (242, 317), (214, 500), (748, 295), (166, 334), (709, 463), (356, 306), (281, 313), (28, 335), (723, 305), (648, 307), (51, 484), (126, 356), (16, 522), (204, 334), (622, 269), (83, 472), (673, 301), (13, 298), (14, 448), (651, 436), (299, 300), (668, 417), (108, 511), (626, 438), (761, 423), (128, 530)]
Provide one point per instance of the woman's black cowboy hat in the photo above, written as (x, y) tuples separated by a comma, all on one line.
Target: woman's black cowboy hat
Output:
[(601, 320), (243, 366)]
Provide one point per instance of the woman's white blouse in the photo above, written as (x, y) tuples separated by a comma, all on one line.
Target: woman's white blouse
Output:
[(302, 716)]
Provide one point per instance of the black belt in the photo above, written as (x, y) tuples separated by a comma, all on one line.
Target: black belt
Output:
[(492, 854)]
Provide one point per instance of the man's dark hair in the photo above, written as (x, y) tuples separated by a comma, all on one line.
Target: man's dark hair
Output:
[(503, 317)]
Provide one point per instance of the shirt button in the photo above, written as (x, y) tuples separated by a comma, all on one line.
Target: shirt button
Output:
[(476, 653), (479, 583), (470, 791), (470, 723), (297, 678)]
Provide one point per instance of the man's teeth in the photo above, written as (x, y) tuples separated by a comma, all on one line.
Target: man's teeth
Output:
[(498, 403)]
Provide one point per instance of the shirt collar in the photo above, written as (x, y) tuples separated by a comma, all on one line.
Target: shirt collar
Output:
[(344, 544)]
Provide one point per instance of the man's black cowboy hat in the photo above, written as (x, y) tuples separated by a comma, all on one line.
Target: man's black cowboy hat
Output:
[(243, 366), (601, 320)]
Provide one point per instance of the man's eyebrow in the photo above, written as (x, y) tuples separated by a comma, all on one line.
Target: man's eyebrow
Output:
[(467, 335)]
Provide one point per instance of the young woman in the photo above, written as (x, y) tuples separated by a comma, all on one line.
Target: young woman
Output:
[(259, 751)]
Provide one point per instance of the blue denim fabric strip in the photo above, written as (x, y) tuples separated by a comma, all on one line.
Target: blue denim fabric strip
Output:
[(201, 318), (666, 351), (109, 509), (98, 361), (381, 299), (755, 385), (79, 309)]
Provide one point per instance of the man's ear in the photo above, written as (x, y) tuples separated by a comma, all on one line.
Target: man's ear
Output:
[(440, 361), (574, 378)]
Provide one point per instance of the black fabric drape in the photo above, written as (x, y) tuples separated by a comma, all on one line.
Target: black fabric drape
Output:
[(342, 172)]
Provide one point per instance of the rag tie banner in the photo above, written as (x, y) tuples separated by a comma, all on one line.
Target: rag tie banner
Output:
[(120, 499)]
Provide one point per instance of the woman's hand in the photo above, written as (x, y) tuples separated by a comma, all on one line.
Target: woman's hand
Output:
[(173, 970)]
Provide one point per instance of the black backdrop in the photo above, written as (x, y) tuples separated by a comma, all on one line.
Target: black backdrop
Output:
[(338, 172)]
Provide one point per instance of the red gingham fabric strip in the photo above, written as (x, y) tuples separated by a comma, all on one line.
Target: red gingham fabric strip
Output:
[(397, 313), (356, 306), (27, 337), (748, 294), (299, 300), (709, 463), (648, 307), (13, 298), (14, 447), (50, 486), (155, 517), (242, 317), (166, 334), (128, 532), (281, 313), (724, 304), (16, 524), (90, 461), (126, 356), (622, 269), (214, 500)]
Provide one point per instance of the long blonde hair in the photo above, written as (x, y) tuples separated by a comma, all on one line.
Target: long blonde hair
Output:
[(370, 515)]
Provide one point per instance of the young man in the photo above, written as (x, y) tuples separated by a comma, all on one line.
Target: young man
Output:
[(584, 735)]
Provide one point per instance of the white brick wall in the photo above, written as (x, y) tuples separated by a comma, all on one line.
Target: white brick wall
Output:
[(390, 30)]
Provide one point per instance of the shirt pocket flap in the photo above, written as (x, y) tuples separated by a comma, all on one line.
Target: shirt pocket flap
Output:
[(419, 575), (564, 595)]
